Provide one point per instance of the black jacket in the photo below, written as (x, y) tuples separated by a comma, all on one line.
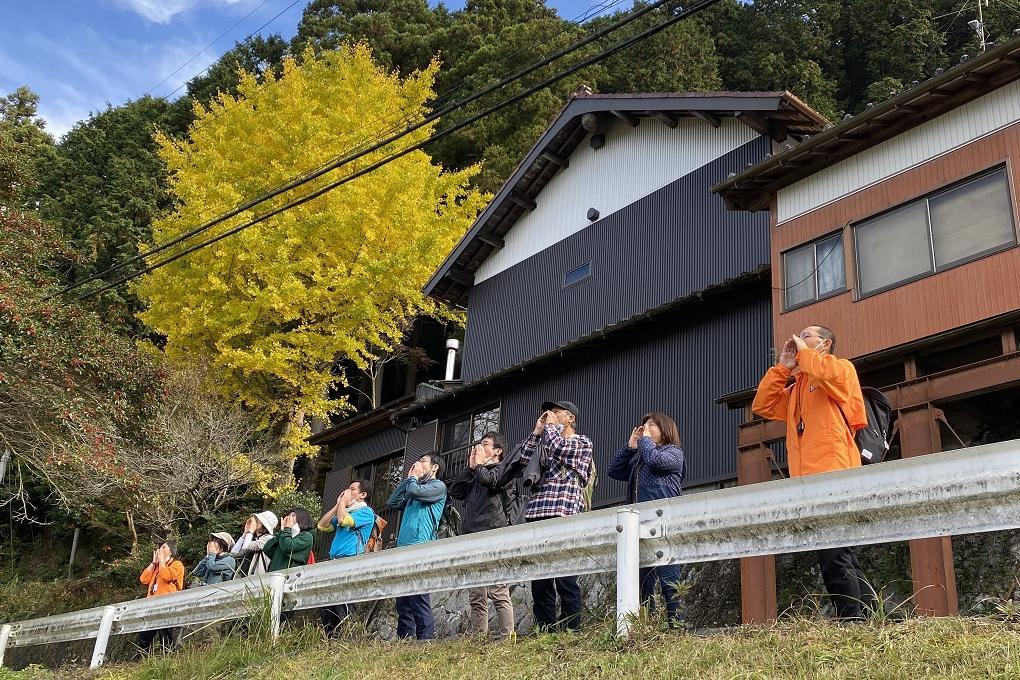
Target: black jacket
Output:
[(486, 502)]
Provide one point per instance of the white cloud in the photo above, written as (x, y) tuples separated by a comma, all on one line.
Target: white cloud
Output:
[(162, 11)]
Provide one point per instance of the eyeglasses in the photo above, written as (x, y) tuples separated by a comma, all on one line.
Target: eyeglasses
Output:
[(810, 335)]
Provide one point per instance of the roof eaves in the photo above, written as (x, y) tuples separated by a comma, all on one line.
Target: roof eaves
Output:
[(760, 274), (788, 166)]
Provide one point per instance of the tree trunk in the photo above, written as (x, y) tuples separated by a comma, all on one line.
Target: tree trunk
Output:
[(134, 532)]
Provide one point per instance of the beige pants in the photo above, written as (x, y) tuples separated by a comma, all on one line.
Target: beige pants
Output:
[(479, 599)]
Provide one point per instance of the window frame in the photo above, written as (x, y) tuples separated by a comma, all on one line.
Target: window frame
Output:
[(935, 268), (813, 244), (470, 415), (586, 276)]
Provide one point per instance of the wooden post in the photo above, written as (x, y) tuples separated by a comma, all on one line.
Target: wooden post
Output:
[(931, 559), (74, 551), (757, 574)]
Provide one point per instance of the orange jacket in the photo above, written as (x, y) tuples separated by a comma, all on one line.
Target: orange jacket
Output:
[(823, 384), (168, 578)]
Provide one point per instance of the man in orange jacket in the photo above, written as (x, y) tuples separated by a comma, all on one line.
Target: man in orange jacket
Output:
[(819, 397)]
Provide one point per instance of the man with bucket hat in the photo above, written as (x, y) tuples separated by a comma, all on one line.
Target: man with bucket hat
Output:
[(565, 465)]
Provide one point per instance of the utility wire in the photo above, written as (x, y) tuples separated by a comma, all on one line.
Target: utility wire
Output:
[(361, 152), (600, 56), (199, 53), (246, 39)]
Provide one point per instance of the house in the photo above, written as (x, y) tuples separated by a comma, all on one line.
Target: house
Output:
[(897, 228), (604, 272)]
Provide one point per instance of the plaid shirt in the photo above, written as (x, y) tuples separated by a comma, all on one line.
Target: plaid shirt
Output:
[(558, 493)]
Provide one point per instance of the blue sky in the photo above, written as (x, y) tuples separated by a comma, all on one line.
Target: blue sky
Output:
[(80, 55)]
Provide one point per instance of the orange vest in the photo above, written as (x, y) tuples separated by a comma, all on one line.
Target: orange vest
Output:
[(825, 389)]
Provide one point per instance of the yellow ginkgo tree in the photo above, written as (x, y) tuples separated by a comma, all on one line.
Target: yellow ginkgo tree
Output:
[(273, 308)]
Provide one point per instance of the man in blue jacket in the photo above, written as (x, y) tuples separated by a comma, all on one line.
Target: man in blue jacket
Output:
[(352, 520), (422, 497)]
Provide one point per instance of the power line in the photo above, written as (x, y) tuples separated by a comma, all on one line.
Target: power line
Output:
[(683, 14), (197, 54), (374, 143), (362, 151), (246, 39)]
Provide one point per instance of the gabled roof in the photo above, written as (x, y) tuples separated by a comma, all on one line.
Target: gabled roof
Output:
[(778, 114), (752, 188)]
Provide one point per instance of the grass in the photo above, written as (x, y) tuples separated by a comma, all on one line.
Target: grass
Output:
[(795, 648)]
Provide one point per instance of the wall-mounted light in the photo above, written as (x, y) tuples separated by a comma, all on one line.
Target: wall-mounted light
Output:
[(593, 214)]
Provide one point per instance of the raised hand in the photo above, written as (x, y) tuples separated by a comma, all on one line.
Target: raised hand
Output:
[(788, 357), (541, 422), (635, 436)]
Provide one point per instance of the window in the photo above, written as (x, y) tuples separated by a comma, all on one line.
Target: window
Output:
[(814, 271), (577, 275), (465, 429), (934, 233), (462, 431)]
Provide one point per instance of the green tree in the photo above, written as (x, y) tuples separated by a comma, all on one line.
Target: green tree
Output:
[(404, 35), (781, 45), (680, 59), (105, 186), (489, 39), (881, 40), (258, 55), (74, 398), (25, 146)]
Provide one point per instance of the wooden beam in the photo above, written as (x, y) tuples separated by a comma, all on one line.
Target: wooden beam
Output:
[(523, 202), (633, 120), (494, 241), (556, 159), (714, 121), (664, 118), (461, 276), (754, 121)]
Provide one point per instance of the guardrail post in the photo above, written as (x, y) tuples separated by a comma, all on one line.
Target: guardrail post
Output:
[(628, 562), (5, 635), (103, 638), (276, 585)]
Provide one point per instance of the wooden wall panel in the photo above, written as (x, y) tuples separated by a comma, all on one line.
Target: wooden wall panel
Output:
[(950, 299)]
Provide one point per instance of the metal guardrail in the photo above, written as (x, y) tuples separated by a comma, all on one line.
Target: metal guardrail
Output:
[(966, 491)]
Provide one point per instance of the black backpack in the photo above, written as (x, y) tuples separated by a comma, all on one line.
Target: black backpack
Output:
[(873, 440)]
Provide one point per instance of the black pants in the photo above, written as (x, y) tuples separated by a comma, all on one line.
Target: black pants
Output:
[(668, 578), (333, 617), (414, 617), (845, 583), (166, 637), (544, 592)]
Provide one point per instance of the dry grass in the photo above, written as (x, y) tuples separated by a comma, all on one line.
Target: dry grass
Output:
[(799, 648)]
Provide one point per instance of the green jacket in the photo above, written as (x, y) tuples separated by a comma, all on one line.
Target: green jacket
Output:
[(286, 550)]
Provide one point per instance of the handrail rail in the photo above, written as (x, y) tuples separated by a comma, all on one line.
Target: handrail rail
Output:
[(964, 491)]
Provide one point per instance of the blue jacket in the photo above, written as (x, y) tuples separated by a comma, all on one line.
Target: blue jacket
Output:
[(423, 508), (215, 569), (352, 541), (651, 472)]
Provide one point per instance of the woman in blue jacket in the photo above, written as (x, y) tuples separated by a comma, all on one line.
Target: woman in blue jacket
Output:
[(652, 463)]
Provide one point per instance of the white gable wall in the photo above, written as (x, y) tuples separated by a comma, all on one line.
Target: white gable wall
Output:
[(633, 163), (938, 136)]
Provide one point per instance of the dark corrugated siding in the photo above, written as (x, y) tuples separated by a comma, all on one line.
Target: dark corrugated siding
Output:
[(675, 241), (680, 364), (371, 447)]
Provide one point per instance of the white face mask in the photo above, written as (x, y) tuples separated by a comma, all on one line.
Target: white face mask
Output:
[(559, 427)]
